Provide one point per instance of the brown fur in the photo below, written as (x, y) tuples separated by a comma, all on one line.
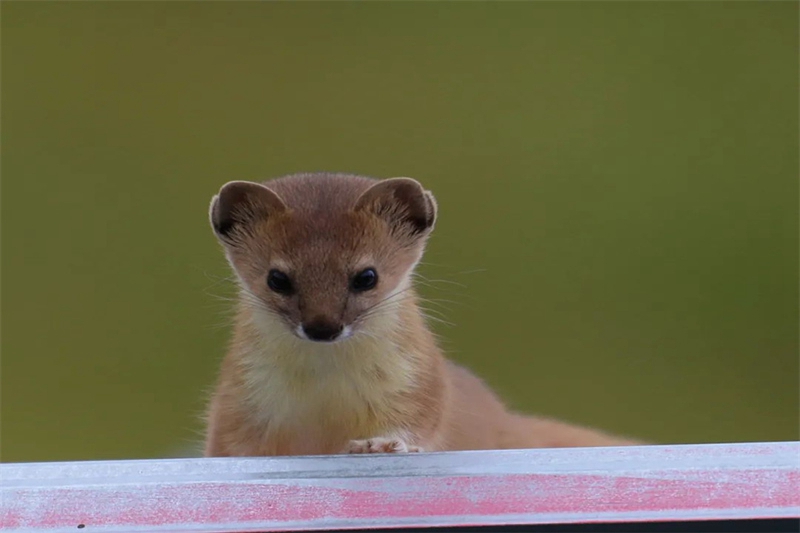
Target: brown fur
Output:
[(386, 388)]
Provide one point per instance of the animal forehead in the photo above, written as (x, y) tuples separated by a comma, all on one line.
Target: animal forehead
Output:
[(323, 245), (342, 230)]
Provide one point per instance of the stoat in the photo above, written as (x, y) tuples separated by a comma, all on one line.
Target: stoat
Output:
[(330, 351)]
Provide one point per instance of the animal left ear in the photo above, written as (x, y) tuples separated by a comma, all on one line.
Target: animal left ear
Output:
[(400, 202)]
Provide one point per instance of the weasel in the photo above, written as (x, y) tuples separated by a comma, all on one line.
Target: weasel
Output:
[(330, 351)]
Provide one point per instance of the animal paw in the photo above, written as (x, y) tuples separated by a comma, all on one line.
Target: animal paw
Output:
[(380, 445)]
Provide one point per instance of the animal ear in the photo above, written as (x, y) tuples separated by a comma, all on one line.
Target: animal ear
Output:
[(240, 203), (401, 202)]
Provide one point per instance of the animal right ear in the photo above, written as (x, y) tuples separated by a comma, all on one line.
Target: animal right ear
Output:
[(239, 204)]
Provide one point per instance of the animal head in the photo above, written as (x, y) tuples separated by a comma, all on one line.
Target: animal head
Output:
[(327, 256)]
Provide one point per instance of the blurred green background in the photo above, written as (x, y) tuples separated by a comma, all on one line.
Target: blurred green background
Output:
[(618, 189)]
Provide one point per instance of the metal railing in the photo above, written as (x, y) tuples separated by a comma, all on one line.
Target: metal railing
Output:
[(571, 486)]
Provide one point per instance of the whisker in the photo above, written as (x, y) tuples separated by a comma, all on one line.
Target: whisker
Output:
[(385, 305), (436, 280)]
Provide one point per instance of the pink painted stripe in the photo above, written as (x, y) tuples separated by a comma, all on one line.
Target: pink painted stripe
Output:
[(467, 488)]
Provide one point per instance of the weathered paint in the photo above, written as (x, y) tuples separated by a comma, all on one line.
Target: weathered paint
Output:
[(650, 483)]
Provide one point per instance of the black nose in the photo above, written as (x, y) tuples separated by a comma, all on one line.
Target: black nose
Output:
[(322, 331)]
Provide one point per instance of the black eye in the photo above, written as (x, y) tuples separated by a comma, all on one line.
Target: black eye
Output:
[(279, 282), (364, 280)]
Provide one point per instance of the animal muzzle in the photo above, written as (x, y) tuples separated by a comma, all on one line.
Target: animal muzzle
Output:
[(322, 330)]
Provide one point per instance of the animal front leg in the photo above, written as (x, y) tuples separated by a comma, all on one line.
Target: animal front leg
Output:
[(381, 445)]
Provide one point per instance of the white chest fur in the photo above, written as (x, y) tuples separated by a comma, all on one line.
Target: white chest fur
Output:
[(299, 386)]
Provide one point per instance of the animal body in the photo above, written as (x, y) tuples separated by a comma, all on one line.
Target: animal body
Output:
[(330, 350)]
